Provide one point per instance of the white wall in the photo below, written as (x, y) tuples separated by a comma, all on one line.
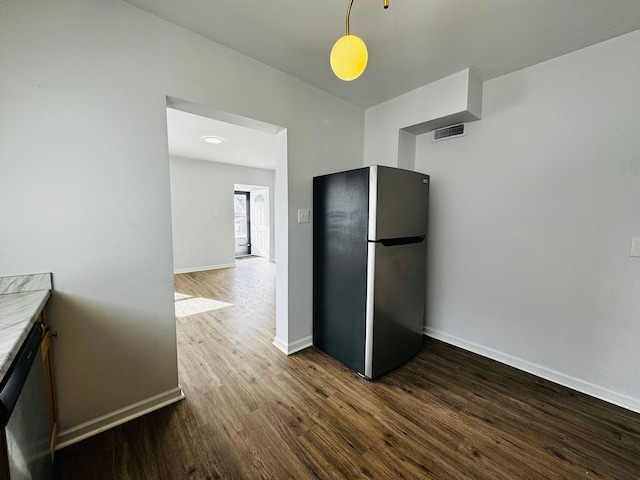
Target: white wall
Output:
[(84, 185), (532, 215), (198, 190)]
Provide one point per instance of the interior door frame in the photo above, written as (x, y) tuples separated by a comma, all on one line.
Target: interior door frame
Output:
[(280, 220)]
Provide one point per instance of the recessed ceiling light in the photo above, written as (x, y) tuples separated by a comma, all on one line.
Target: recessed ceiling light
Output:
[(213, 140)]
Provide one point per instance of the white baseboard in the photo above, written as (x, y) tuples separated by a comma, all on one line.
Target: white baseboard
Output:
[(293, 347), (203, 269), (577, 384), (280, 345), (93, 427)]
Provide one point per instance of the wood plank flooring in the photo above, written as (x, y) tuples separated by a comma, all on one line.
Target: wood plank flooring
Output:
[(252, 413)]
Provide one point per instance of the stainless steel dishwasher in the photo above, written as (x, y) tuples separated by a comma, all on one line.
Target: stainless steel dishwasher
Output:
[(24, 446)]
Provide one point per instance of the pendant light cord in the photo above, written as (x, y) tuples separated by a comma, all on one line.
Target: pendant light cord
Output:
[(348, 15), (386, 5)]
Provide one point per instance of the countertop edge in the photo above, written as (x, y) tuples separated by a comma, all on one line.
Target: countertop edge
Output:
[(18, 313)]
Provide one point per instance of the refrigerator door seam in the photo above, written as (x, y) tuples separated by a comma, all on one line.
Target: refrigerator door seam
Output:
[(373, 201), (368, 335)]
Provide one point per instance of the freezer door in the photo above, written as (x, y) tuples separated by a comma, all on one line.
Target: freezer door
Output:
[(396, 305), (399, 201)]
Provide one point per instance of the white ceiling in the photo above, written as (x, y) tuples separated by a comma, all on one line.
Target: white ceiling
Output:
[(412, 43), (242, 145)]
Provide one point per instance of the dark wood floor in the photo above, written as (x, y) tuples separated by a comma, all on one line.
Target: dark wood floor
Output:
[(252, 413)]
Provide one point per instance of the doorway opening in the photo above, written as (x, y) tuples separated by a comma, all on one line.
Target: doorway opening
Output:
[(210, 217), (252, 217), (242, 223)]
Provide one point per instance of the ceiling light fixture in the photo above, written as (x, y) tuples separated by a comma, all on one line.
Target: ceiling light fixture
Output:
[(213, 140), (349, 54)]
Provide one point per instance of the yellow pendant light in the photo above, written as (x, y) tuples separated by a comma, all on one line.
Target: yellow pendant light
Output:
[(349, 54), (349, 57)]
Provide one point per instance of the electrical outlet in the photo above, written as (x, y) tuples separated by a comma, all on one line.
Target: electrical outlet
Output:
[(635, 247), (187, 255)]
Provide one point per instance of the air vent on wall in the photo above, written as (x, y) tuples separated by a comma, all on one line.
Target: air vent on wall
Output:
[(445, 133)]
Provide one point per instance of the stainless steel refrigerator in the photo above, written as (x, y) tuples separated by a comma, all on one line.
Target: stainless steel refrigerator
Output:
[(369, 266)]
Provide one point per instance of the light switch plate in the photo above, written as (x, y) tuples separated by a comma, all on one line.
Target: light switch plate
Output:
[(303, 215), (635, 247)]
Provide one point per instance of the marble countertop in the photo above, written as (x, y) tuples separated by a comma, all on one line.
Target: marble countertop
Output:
[(22, 298), (25, 283)]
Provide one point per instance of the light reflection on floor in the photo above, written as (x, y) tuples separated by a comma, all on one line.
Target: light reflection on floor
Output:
[(187, 305)]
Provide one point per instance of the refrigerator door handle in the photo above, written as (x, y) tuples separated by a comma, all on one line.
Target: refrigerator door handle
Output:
[(392, 242)]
